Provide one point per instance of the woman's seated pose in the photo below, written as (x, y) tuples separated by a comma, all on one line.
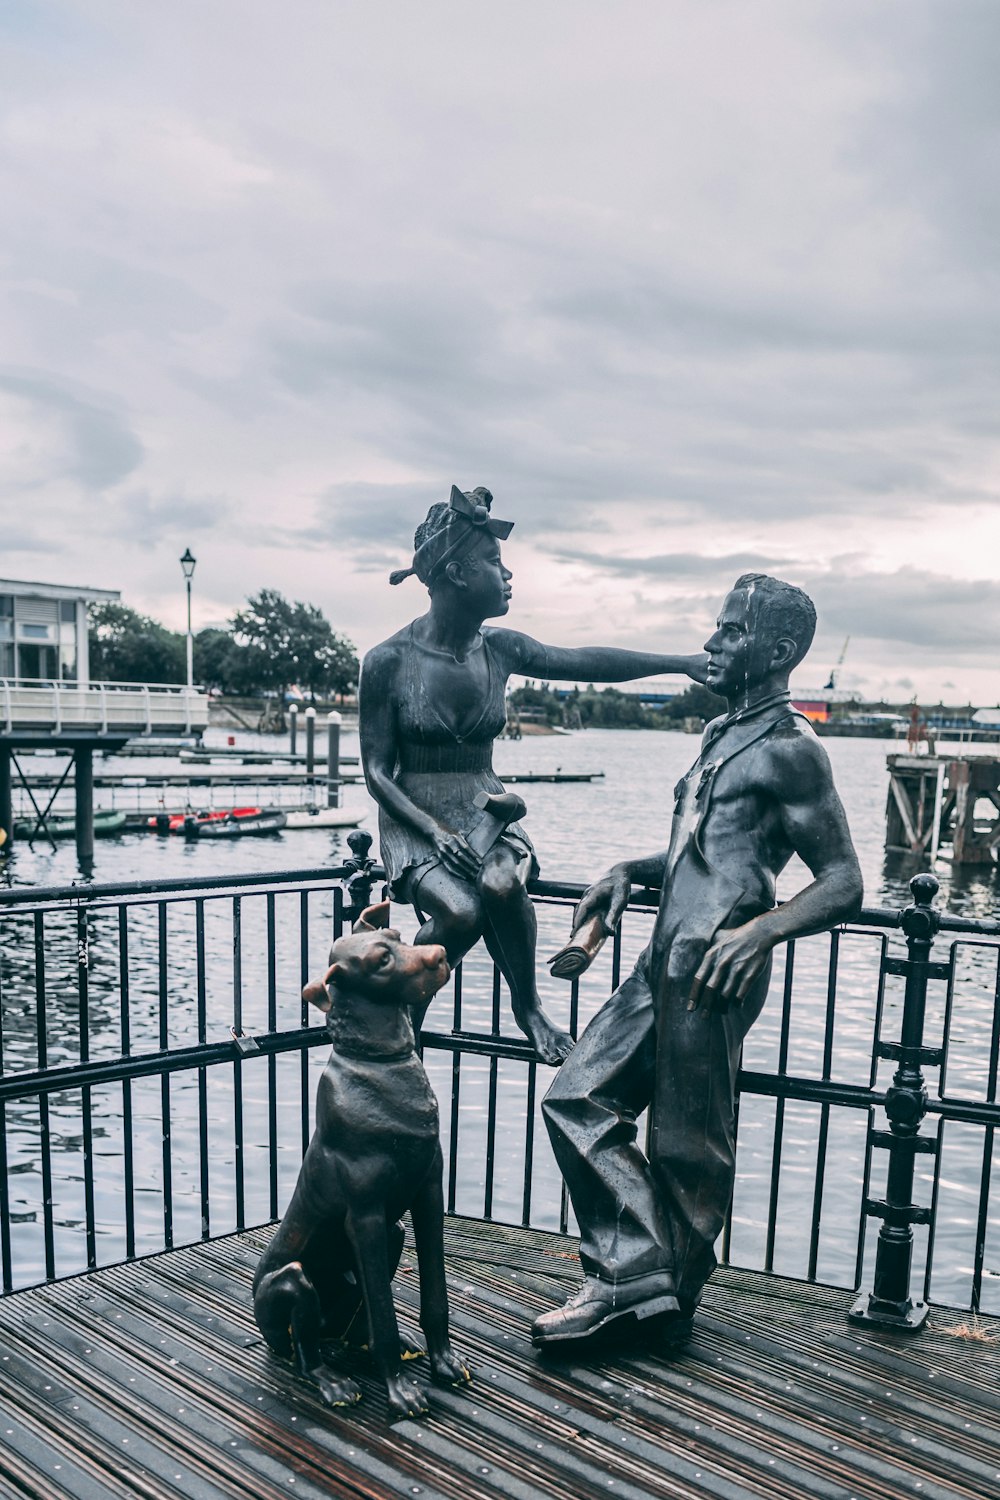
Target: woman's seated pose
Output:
[(432, 700)]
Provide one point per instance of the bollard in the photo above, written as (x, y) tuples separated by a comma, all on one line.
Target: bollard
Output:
[(889, 1304), (358, 885), (293, 727), (333, 724), (310, 743)]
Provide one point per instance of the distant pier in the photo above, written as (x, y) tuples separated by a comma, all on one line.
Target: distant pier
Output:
[(945, 806)]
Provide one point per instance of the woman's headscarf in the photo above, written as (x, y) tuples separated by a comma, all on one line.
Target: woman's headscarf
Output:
[(449, 531)]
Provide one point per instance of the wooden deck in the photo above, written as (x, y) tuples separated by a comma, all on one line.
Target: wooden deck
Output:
[(151, 1380)]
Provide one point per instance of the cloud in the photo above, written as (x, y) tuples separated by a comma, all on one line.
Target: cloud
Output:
[(680, 279), (91, 443)]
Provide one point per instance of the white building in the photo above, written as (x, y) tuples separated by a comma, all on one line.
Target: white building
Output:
[(43, 631)]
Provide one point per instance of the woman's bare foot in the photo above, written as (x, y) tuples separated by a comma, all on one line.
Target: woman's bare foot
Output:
[(552, 1045)]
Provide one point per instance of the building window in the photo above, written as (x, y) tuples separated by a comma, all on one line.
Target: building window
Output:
[(35, 632), (6, 660), (67, 611), (36, 663)]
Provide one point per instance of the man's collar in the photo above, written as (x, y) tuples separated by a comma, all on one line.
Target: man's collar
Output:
[(740, 715)]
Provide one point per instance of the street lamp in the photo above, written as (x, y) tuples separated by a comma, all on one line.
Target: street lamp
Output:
[(187, 568)]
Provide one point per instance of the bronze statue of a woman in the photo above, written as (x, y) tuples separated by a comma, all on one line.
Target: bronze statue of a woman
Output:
[(432, 699)]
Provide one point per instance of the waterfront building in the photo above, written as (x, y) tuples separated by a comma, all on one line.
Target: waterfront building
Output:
[(43, 630)]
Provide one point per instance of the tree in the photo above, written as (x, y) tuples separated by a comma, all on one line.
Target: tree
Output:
[(292, 644), (128, 647), (220, 663), (696, 702)]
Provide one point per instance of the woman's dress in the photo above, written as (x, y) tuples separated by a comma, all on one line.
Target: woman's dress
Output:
[(441, 771)]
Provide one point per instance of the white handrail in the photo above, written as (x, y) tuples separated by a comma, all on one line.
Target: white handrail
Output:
[(174, 689)]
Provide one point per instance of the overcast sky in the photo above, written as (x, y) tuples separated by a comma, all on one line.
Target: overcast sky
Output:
[(694, 286)]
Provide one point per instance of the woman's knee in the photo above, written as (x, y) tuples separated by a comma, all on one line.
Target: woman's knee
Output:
[(499, 878), (457, 927)]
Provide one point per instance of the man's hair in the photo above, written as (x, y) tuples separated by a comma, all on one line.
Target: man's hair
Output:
[(783, 609)]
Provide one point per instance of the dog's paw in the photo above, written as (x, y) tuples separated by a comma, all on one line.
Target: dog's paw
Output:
[(407, 1398), (410, 1348), (336, 1390), (448, 1369)]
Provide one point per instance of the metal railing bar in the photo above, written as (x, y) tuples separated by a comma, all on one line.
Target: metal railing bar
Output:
[(456, 1084), (6, 1265), (726, 1241), (824, 1113), (529, 1145), (779, 1108), (879, 1012), (866, 1181), (128, 1145), (491, 1105), (304, 1016), (272, 1061), (167, 1184), (935, 1194), (238, 1163), (43, 1103), (982, 1216), (178, 889), (949, 1005), (86, 1111), (616, 957), (202, 1020)]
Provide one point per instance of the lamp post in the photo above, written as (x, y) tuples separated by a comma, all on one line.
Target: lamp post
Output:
[(187, 568)]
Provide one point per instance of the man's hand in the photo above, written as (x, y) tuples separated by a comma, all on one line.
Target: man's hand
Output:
[(730, 967), (607, 898)]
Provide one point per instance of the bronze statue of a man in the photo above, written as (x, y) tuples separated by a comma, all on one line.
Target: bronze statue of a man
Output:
[(431, 702), (670, 1037)]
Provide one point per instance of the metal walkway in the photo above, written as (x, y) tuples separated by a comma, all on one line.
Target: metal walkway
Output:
[(151, 1380)]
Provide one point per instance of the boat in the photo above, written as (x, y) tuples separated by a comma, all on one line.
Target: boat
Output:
[(229, 826), (164, 822), (59, 826), (322, 817)]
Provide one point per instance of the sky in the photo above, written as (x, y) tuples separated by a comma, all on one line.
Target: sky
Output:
[(696, 287)]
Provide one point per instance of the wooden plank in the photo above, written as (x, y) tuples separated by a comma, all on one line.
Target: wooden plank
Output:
[(776, 1396)]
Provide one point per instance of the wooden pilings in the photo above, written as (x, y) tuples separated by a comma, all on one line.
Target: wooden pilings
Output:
[(944, 806)]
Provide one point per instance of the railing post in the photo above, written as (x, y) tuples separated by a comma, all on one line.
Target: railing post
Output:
[(889, 1304), (358, 885), (293, 727)]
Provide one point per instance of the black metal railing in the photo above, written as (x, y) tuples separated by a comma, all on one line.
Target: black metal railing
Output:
[(158, 1069)]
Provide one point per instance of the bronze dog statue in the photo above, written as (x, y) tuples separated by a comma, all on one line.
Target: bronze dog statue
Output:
[(375, 1153)]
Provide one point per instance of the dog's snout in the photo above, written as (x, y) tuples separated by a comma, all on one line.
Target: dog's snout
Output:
[(435, 955)]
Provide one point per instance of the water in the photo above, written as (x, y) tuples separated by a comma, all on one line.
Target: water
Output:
[(579, 829)]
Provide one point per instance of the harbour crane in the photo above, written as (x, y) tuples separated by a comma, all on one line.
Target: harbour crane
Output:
[(840, 662)]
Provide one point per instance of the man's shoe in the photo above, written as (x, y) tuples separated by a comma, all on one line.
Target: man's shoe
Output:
[(599, 1303)]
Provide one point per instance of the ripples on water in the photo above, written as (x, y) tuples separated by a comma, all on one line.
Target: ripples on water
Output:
[(578, 830)]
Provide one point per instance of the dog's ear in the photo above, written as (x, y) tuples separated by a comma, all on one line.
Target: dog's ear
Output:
[(373, 918), (316, 992)]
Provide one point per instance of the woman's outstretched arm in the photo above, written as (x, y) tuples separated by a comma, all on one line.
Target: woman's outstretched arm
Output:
[(532, 658)]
